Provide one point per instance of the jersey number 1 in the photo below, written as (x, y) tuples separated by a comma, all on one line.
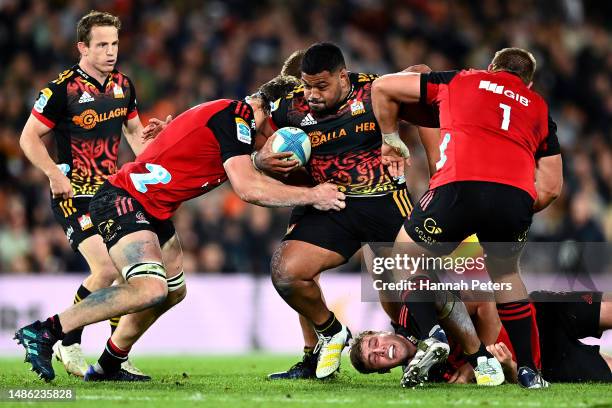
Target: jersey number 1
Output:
[(157, 174), (506, 116)]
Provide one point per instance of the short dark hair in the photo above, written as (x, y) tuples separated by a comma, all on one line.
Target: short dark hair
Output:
[(518, 61), (93, 19), (321, 57), (356, 353)]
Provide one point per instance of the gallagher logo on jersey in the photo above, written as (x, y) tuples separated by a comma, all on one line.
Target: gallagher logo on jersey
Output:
[(243, 131)]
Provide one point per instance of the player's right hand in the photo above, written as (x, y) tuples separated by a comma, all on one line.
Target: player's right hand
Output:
[(154, 127), (60, 185), (327, 197), (274, 163), (394, 161)]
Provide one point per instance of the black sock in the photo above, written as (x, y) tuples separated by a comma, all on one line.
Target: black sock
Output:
[(421, 309), (473, 358), (517, 320), (114, 322), (308, 351), (330, 327), (112, 357), (55, 326), (74, 336)]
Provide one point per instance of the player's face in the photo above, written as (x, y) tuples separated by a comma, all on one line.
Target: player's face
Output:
[(383, 351), (101, 52), (325, 90)]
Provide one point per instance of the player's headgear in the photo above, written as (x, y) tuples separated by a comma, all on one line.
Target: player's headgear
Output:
[(321, 57), (517, 61)]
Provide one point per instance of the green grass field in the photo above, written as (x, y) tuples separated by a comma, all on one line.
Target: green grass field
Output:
[(240, 381)]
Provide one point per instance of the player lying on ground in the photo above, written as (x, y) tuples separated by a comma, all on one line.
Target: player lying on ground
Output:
[(87, 152), (562, 320), (198, 151), (496, 139), (333, 106)]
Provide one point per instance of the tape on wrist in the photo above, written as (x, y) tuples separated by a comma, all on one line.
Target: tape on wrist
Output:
[(393, 139)]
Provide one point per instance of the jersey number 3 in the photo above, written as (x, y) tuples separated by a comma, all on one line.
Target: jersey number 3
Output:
[(157, 174)]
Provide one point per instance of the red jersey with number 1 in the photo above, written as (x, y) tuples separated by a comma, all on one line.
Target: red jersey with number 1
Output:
[(492, 128), (186, 159)]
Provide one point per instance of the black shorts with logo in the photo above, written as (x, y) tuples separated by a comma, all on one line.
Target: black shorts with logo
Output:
[(365, 219), (115, 214), (499, 214), (563, 319), (73, 215)]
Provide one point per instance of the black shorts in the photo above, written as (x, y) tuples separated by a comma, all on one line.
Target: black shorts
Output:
[(562, 320), (115, 214), (365, 219), (500, 215), (73, 215)]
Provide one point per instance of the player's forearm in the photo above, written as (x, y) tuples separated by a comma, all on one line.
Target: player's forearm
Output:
[(36, 152), (385, 108), (268, 192)]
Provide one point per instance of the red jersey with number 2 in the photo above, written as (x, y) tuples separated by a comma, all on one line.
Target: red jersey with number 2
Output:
[(186, 159), (492, 128)]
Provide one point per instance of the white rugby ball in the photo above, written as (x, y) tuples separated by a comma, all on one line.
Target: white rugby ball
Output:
[(294, 140)]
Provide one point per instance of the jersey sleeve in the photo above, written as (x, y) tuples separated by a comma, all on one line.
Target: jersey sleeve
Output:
[(432, 82), (132, 104), (234, 129), (50, 104), (550, 145)]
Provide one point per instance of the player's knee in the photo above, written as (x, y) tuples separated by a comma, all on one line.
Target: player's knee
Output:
[(177, 289), (103, 276), (150, 278), (175, 297), (283, 273)]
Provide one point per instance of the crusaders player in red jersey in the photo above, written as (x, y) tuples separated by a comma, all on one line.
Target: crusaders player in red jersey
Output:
[(562, 319), (198, 151), (497, 138)]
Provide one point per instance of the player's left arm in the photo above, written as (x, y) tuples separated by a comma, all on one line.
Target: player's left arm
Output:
[(133, 133), (549, 169)]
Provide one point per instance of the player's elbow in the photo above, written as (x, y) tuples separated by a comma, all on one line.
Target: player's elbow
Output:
[(379, 88), (250, 193)]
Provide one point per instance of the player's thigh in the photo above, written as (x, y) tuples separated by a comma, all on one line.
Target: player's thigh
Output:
[(505, 219), (328, 237), (96, 254), (441, 219), (73, 216), (299, 260)]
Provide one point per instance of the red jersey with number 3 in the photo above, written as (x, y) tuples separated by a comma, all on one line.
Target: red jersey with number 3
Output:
[(492, 127), (186, 159)]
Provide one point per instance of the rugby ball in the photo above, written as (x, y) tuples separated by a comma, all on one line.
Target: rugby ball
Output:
[(294, 140)]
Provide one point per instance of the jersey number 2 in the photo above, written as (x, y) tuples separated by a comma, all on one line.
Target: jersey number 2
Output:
[(506, 116), (157, 174)]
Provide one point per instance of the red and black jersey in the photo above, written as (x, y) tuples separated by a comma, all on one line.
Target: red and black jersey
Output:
[(345, 143), (86, 118), (492, 127), (186, 159), (457, 357)]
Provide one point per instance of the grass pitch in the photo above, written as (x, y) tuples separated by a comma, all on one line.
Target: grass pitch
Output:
[(240, 381)]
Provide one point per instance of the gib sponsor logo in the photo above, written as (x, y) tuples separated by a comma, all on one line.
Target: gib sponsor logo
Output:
[(89, 118), (499, 89)]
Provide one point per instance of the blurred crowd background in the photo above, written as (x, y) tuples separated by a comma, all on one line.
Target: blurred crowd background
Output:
[(180, 53)]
